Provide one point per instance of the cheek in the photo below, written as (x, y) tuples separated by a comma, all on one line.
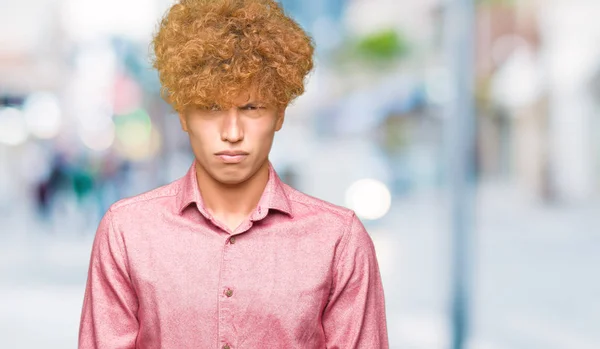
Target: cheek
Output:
[(201, 135), (263, 134), (200, 129), (265, 127)]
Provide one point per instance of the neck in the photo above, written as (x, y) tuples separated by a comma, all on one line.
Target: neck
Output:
[(229, 201)]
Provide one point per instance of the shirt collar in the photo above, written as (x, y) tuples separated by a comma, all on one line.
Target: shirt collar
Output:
[(274, 196)]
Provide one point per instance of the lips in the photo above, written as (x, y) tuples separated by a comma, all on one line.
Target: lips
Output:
[(232, 156), (232, 153)]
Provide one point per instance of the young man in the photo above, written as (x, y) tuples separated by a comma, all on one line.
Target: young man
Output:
[(229, 256)]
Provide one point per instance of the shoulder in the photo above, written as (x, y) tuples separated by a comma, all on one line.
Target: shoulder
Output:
[(353, 242), (160, 198), (304, 203), (342, 218)]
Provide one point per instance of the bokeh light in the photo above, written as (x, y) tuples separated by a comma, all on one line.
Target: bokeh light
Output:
[(136, 137), (369, 198), (13, 130), (100, 138), (43, 115)]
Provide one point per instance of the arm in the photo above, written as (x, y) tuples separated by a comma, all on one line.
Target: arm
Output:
[(108, 318), (354, 317)]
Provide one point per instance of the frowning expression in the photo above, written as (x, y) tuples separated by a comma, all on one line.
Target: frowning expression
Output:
[(232, 144)]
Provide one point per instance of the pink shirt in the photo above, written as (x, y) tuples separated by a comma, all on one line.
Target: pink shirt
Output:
[(298, 273)]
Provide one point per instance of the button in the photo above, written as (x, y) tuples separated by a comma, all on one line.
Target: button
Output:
[(232, 240), (229, 292), (226, 346)]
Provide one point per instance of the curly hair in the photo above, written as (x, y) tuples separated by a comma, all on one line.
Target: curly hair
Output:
[(207, 52)]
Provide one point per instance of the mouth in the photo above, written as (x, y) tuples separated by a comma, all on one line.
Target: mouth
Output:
[(232, 157)]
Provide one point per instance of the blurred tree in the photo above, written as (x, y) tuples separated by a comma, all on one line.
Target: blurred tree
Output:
[(382, 46), (380, 50)]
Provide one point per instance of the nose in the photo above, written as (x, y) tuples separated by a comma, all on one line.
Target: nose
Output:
[(232, 130)]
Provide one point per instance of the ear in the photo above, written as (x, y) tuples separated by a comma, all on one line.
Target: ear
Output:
[(280, 118), (183, 121)]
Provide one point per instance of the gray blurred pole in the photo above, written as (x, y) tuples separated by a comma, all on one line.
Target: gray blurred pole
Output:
[(459, 32)]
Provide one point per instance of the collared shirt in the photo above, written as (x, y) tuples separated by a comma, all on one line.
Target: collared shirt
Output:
[(298, 273)]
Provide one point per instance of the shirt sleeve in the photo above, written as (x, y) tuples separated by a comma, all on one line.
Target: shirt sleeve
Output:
[(354, 317), (108, 318)]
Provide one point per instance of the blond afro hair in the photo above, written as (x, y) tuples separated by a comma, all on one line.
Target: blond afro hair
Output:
[(208, 52)]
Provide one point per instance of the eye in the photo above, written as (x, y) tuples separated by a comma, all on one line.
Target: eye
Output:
[(252, 107)]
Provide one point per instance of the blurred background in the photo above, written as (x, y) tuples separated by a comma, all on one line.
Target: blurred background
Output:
[(496, 240)]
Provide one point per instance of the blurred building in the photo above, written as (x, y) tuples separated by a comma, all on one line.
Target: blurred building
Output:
[(538, 118)]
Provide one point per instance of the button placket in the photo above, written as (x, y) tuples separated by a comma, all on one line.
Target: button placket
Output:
[(225, 310)]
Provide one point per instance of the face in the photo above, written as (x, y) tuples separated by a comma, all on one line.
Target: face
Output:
[(232, 145)]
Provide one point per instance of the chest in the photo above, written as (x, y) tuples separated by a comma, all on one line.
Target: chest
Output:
[(268, 279)]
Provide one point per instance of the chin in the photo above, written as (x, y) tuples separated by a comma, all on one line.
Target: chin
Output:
[(231, 177), (231, 181)]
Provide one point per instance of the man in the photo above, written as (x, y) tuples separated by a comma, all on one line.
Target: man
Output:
[(229, 256)]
